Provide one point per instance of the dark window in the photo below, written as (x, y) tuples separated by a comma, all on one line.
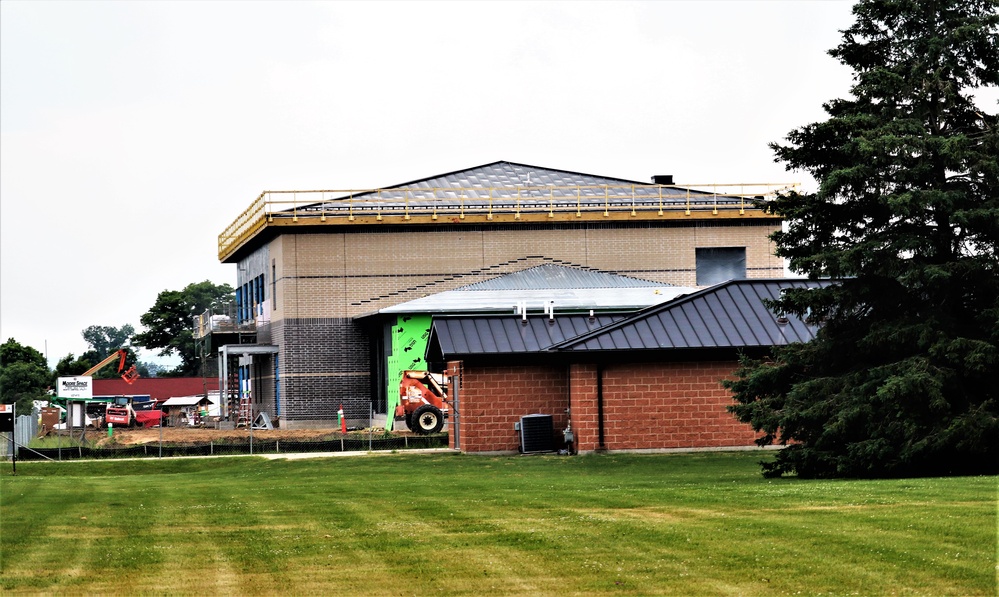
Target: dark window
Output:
[(259, 302), (719, 264)]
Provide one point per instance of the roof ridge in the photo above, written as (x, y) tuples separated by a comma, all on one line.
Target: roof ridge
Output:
[(585, 274), (519, 164), (673, 303)]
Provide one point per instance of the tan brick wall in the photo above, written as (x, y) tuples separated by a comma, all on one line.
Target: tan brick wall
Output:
[(339, 274)]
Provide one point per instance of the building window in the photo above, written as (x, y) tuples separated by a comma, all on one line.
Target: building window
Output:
[(273, 285), (258, 296), (250, 299), (720, 264)]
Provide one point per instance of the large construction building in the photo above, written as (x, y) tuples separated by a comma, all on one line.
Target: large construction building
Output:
[(321, 274)]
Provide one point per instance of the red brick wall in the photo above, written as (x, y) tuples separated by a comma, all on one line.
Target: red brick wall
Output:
[(492, 400), (583, 385), (645, 406), (670, 405)]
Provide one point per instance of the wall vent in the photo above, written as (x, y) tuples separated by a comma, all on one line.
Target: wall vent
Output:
[(536, 434)]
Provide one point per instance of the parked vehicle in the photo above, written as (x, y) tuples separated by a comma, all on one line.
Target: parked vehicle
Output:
[(423, 403), (126, 412)]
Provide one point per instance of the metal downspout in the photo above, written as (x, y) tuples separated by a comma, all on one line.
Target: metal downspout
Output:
[(568, 410), (600, 408)]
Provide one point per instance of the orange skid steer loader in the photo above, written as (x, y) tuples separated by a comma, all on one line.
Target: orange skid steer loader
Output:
[(422, 402)]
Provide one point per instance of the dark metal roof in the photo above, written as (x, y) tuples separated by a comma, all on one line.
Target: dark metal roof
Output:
[(730, 315), (506, 334), (552, 276)]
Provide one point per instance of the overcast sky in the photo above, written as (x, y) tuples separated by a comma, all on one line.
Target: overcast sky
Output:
[(133, 133)]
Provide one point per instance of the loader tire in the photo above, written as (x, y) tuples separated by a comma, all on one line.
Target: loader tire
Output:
[(427, 419)]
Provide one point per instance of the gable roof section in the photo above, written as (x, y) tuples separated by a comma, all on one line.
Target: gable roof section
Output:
[(191, 400), (551, 276), (501, 175), (506, 334), (569, 288), (729, 315), (505, 184)]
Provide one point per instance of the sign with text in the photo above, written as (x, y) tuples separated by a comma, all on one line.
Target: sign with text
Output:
[(6, 418), (75, 387)]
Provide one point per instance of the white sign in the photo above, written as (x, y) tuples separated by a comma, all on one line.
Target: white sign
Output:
[(75, 387)]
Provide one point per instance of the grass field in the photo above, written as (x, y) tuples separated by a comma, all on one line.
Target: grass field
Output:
[(411, 524)]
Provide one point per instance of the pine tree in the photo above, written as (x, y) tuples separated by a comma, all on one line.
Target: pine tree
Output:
[(902, 377)]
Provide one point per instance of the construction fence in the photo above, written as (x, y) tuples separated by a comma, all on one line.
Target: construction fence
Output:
[(25, 428), (77, 448)]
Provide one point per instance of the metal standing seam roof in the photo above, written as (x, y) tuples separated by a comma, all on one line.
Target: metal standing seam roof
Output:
[(504, 334), (729, 315), (559, 276), (567, 288)]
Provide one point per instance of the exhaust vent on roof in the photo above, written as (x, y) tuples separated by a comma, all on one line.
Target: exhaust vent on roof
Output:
[(662, 179)]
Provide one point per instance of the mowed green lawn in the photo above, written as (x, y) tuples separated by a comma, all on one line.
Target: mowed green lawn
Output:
[(405, 524)]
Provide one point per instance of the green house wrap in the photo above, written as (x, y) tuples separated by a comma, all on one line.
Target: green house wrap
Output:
[(409, 345)]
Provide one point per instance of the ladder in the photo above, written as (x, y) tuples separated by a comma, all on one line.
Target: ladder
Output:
[(245, 416)]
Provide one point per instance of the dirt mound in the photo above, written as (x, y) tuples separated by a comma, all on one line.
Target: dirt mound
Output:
[(195, 435)]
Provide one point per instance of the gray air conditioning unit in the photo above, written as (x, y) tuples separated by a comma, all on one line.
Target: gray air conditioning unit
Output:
[(536, 434)]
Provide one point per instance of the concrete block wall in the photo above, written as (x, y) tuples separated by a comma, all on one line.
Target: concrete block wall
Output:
[(323, 364)]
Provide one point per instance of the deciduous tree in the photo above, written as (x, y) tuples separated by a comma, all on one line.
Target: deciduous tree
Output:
[(901, 379), (24, 376), (70, 365), (105, 339), (169, 322)]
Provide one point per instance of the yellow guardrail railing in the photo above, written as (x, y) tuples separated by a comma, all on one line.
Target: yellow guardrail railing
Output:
[(536, 203)]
